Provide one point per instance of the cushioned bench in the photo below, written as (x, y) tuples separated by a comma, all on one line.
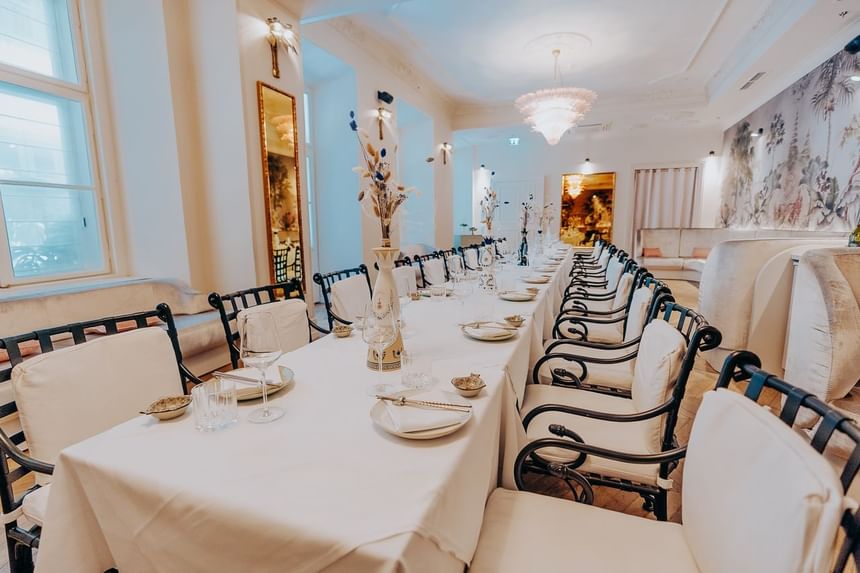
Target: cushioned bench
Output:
[(682, 253)]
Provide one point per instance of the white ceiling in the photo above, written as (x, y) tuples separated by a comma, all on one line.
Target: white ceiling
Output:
[(652, 62)]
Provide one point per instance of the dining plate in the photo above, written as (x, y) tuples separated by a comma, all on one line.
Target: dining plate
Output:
[(547, 269), (488, 333), (380, 417), (249, 392), (539, 280), (516, 296)]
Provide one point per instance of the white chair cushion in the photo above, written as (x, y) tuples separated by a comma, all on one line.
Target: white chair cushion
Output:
[(622, 292), (603, 260), (291, 321), (349, 297), (613, 375), (661, 352), (35, 504), (629, 437), (756, 496), (613, 273), (404, 278), (638, 313), (598, 332), (434, 271), (471, 256), (529, 532), (71, 394)]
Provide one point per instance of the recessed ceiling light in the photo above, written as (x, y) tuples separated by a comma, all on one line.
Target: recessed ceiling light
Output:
[(514, 140)]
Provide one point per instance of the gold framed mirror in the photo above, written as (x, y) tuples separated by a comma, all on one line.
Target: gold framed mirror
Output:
[(280, 152), (587, 202)]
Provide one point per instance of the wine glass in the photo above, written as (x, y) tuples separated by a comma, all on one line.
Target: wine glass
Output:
[(259, 347), (380, 332), (456, 268)]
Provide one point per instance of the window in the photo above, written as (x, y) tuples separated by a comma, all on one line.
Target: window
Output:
[(49, 196)]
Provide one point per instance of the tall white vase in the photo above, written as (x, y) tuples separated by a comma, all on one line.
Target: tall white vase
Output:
[(385, 291)]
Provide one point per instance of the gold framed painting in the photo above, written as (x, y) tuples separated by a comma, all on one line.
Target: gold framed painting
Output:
[(587, 202), (281, 184)]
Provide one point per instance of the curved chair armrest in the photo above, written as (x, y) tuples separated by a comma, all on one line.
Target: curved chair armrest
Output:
[(317, 327), (589, 320), (336, 318), (10, 449), (594, 345), (582, 361), (665, 456), (605, 416), (587, 311)]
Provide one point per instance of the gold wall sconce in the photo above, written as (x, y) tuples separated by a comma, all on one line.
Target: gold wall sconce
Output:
[(280, 34), (446, 151), (381, 115)]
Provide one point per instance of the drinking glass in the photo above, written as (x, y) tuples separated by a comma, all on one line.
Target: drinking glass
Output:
[(438, 292), (380, 332), (214, 404), (456, 269), (259, 347), (415, 369)]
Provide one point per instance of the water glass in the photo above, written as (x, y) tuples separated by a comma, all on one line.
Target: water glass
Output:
[(438, 292), (415, 369), (214, 404)]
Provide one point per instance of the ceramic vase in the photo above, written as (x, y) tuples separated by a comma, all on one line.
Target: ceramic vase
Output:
[(385, 291), (487, 279)]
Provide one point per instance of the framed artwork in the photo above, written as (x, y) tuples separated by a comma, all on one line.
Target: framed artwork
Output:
[(280, 150), (587, 201)]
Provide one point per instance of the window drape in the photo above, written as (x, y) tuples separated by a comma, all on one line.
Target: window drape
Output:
[(665, 197)]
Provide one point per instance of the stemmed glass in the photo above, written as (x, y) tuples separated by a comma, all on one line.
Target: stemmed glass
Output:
[(456, 268), (380, 332), (259, 347)]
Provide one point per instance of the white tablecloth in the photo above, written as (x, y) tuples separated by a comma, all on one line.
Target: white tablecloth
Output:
[(322, 488)]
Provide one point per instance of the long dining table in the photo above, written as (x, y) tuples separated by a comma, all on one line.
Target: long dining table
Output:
[(323, 488)]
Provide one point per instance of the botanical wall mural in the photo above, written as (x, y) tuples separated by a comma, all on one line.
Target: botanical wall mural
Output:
[(795, 162)]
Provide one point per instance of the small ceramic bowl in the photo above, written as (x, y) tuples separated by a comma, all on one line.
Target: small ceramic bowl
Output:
[(468, 386), (515, 320), (342, 330), (533, 290), (415, 295), (168, 408)]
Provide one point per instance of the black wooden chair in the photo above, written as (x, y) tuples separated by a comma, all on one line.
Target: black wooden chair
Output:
[(229, 305), (279, 260), (16, 466), (473, 250), (422, 260), (622, 418), (759, 494), (324, 281)]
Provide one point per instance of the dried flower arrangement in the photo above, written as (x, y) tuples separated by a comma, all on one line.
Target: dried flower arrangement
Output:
[(527, 213), (383, 196), (489, 206), (545, 218)]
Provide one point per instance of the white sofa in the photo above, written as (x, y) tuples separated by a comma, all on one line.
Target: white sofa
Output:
[(745, 291), (201, 336), (681, 253)]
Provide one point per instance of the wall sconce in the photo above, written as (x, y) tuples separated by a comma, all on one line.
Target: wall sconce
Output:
[(446, 150), (280, 34), (381, 115)]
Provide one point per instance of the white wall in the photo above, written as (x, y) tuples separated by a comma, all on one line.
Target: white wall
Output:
[(374, 71), (415, 131), (338, 213), (534, 161)]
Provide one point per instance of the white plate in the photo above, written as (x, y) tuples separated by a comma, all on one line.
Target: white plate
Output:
[(536, 280), (517, 296), (380, 417), (249, 392), (546, 269), (488, 333)]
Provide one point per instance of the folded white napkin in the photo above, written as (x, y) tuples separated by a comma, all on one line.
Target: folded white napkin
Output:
[(488, 331), (415, 419)]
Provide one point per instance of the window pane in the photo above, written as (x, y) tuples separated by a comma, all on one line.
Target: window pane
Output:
[(35, 35), (51, 231), (42, 138)]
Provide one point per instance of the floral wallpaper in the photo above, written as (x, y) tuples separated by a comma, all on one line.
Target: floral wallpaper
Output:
[(803, 170)]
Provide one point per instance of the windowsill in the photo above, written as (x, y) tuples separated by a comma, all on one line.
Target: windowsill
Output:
[(22, 292)]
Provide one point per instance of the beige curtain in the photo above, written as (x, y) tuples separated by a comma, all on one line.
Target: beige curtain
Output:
[(665, 198)]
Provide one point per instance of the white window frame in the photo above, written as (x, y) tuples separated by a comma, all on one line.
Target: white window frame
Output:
[(81, 93)]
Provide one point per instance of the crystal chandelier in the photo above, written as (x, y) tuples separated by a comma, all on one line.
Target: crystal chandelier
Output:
[(555, 110)]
